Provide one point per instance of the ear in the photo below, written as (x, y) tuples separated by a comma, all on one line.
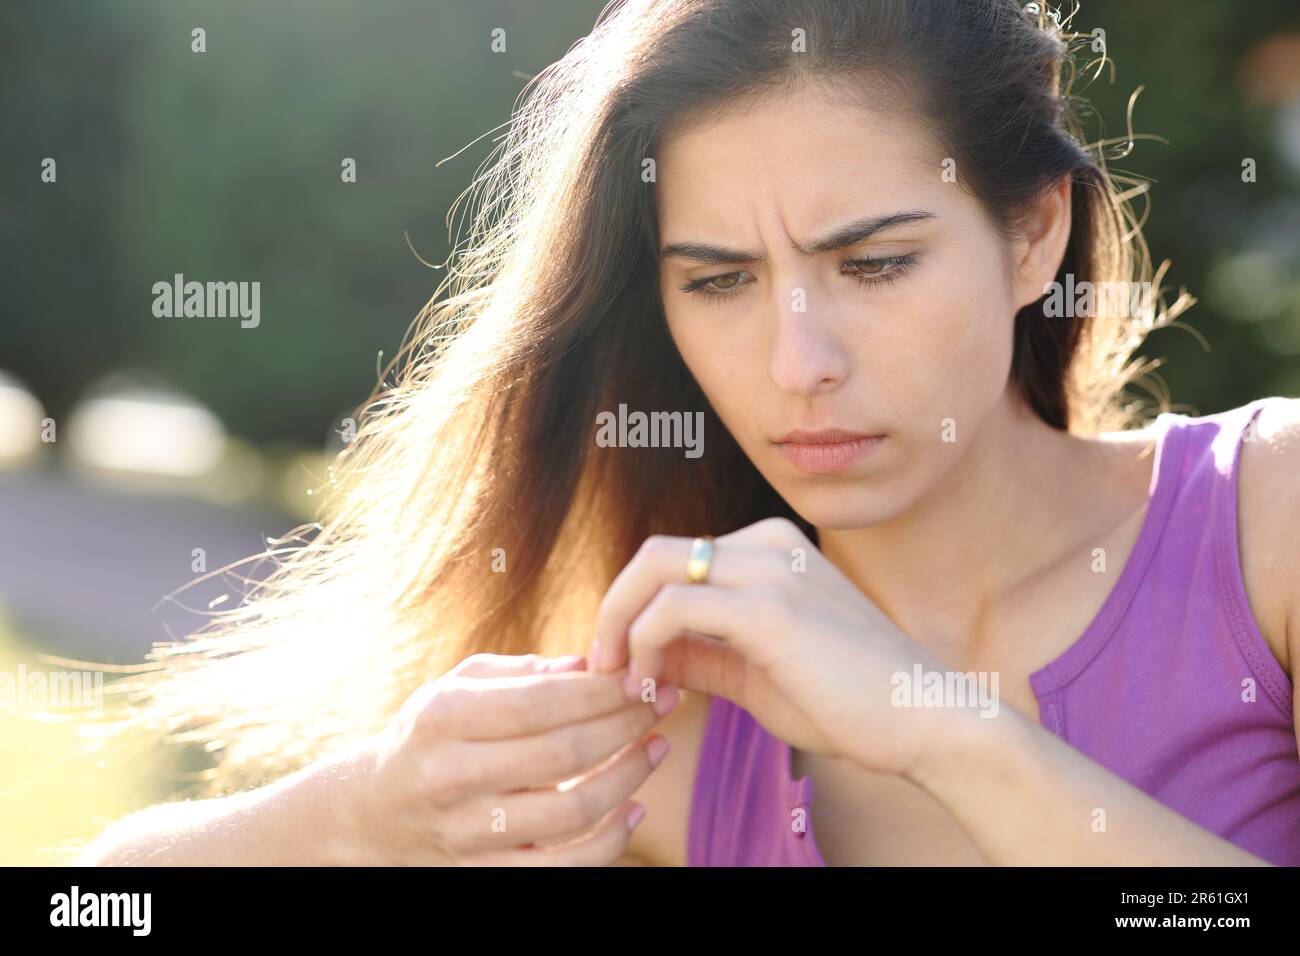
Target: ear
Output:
[(1040, 245)]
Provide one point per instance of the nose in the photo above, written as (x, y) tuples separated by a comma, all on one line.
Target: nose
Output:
[(807, 355)]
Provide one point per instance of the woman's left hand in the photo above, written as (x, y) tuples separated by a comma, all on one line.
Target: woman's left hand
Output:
[(778, 630)]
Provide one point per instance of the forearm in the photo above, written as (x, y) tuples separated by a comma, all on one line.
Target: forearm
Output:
[(1026, 797), (301, 820)]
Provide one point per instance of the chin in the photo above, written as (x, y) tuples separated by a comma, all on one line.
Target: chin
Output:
[(845, 507)]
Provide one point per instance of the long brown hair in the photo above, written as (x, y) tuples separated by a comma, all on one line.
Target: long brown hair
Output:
[(474, 511)]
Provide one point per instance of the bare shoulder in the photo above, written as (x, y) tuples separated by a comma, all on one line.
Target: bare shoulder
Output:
[(1269, 525), (660, 840)]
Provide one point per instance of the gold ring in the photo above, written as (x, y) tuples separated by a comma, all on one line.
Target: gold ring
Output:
[(697, 567)]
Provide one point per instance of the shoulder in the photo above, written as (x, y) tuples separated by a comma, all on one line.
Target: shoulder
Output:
[(1269, 524), (667, 793)]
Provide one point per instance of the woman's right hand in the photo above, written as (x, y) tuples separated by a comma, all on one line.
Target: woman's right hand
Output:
[(478, 767)]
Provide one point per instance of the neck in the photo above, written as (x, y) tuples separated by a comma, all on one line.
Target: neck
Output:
[(1020, 494)]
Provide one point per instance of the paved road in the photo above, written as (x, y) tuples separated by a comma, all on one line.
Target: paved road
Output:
[(83, 566)]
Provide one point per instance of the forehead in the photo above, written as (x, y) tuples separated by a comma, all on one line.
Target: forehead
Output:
[(810, 151)]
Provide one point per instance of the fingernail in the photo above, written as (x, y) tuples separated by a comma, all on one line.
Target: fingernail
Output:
[(656, 749), (635, 816), (666, 698), (632, 684), (593, 657)]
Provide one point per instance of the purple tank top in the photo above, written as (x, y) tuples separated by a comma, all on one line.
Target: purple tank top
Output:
[(1171, 687)]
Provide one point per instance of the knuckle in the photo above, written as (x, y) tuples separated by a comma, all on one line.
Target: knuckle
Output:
[(414, 705), (565, 751), (591, 802), (437, 711), (784, 527), (575, 812), (442, 778), (471, 663), (653, 546)]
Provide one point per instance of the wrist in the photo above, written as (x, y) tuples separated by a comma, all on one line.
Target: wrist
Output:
[(968, 744), (334, 789)]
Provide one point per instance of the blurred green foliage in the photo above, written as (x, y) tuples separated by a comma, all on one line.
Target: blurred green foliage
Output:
[(226, 166)]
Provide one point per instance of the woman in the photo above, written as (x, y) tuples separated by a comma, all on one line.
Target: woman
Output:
[(953, 591)]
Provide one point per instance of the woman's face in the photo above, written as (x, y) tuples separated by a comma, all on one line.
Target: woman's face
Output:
[(905, 332)]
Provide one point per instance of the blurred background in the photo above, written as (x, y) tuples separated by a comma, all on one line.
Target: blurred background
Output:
[(138, 453)]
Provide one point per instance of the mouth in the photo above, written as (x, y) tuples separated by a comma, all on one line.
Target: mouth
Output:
[(828, 451)]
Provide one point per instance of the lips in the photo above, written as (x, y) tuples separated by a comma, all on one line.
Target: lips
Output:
[(827, 451), (829, 436)]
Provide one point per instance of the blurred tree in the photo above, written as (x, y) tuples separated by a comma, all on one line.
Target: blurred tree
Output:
[(225, 165)]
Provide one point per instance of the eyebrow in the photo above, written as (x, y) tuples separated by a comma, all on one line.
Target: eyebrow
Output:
[(849, 234)]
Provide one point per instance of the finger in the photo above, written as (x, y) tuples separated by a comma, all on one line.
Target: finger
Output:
[(548, 758), (603, 845), (569, 839), (776, 532), (662, 561), (494, 707), (659, 559), (500, 821), (728, 614), (696, 662), (515, 665)]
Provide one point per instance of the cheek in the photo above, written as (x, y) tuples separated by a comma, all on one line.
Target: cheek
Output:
[(953, 350), (722, 367), (695, 348)]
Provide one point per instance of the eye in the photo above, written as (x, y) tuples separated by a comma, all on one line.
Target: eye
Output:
[(867, 272), (885, 271), (715, 286)]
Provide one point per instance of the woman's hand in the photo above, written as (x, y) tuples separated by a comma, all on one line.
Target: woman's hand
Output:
[(469, 771), (778, 630)]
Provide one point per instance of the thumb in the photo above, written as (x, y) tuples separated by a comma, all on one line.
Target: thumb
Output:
[(516, 665), (569, 662)]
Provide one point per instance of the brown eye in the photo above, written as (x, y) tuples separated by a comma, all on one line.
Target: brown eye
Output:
[(716, 287), (885, 271)]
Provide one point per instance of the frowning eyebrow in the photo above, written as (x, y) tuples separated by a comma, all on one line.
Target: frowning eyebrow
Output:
[(849, 234)]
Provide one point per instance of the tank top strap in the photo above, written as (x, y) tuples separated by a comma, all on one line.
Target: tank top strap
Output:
[(1186, 554), (1222, 438)]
